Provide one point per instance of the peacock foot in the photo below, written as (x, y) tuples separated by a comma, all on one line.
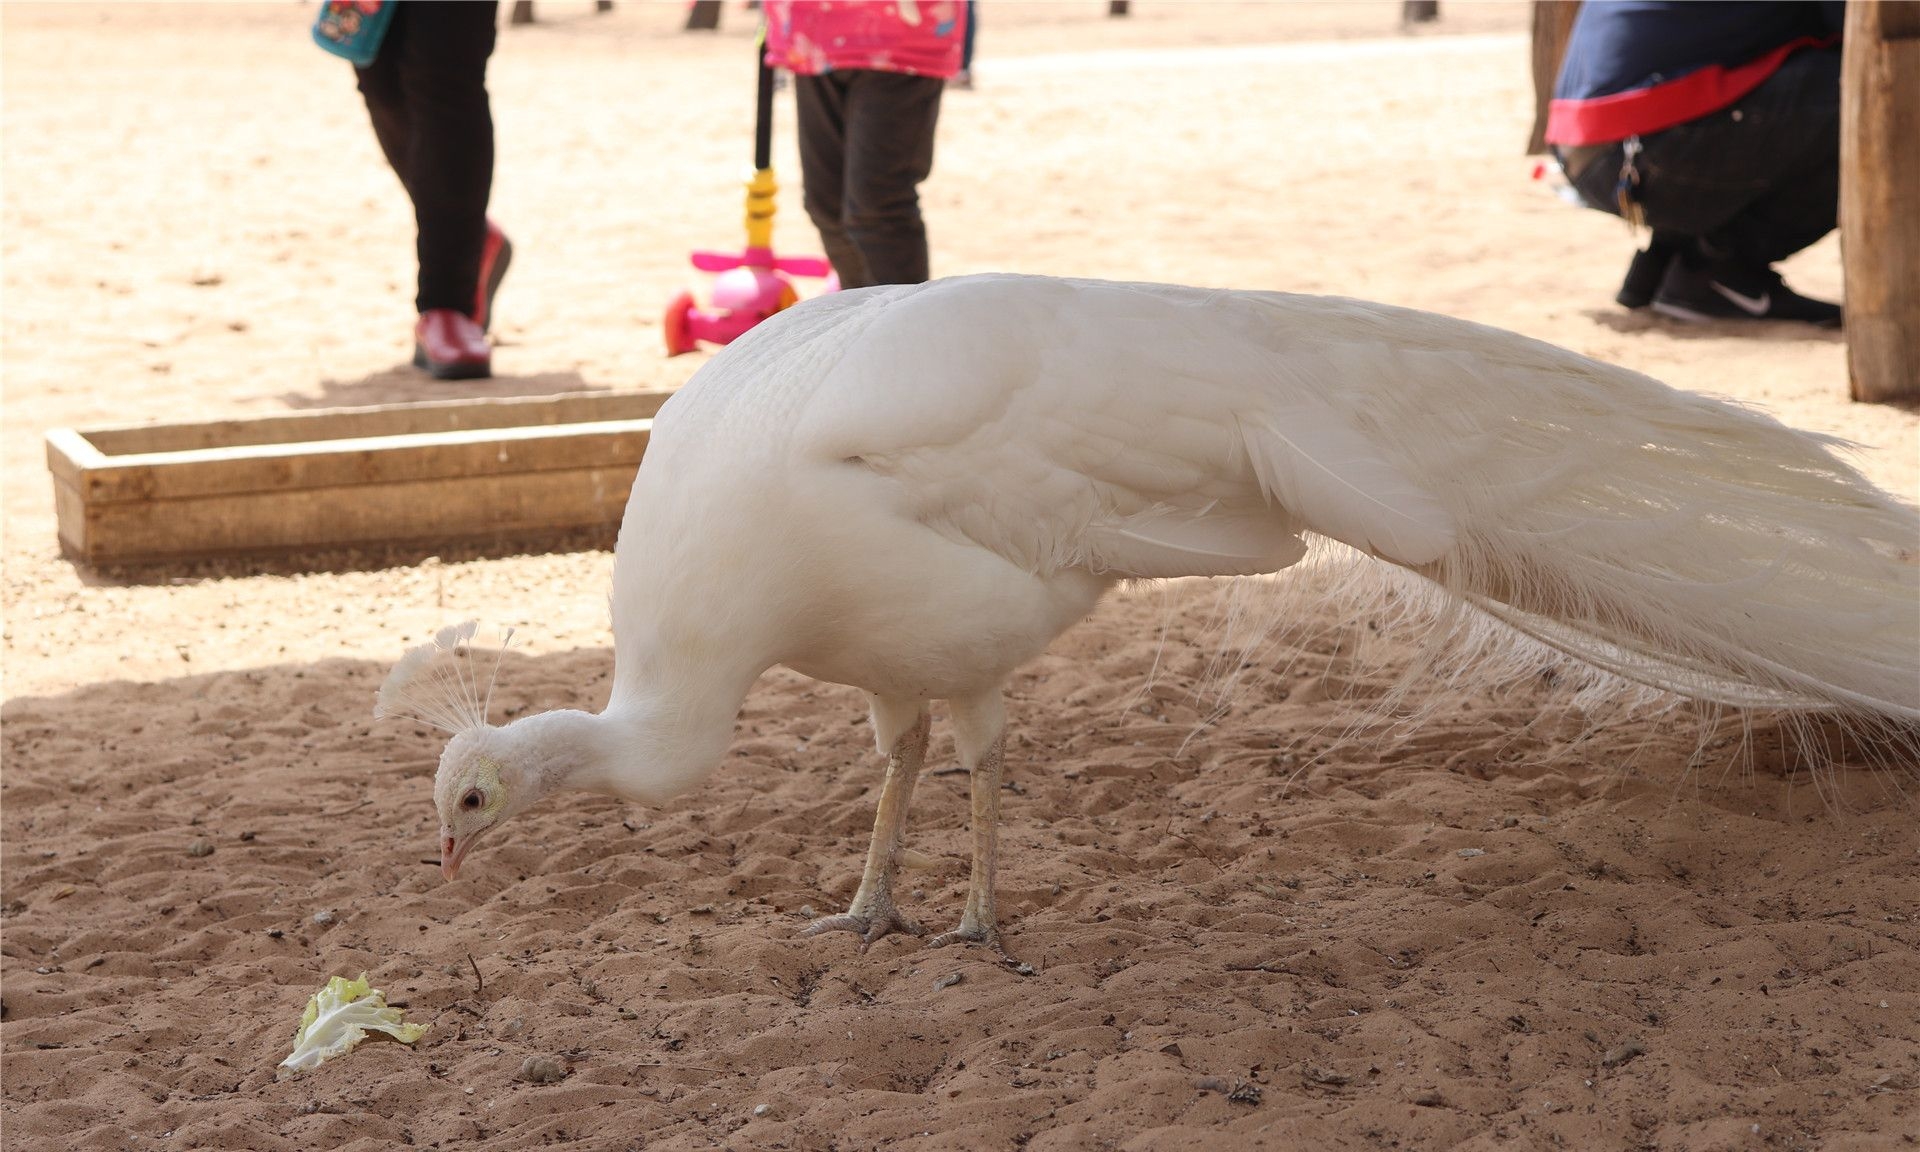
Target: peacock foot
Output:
[(868, 919), (972, 932)]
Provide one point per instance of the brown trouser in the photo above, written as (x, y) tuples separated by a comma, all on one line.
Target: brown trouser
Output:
[(866, 143)]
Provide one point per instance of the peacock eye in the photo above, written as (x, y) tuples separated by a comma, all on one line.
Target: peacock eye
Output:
[(472, 799)]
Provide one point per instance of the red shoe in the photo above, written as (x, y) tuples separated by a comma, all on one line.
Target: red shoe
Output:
[(495, 254), (450, 346)]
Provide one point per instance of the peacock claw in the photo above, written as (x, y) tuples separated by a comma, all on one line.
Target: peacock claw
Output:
[(869, 926), (973, 934)]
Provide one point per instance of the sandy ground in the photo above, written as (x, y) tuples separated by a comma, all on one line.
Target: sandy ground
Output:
[(1494, 935)]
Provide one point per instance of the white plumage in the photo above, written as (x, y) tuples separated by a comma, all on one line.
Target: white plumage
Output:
[(914, 489)]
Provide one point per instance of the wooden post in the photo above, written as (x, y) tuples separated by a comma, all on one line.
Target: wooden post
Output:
[(522, 12), (1880, 198), (703, 16), (1419, 11), (1552, 28)]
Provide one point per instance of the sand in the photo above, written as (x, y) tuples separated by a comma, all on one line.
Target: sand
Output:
[(1508, 931)]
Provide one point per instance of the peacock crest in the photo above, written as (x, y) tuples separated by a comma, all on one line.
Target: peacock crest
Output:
[(438, 682)]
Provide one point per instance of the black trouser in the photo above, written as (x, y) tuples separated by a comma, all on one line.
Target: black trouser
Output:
[(427, 94), (1752, 183), (866, 143)]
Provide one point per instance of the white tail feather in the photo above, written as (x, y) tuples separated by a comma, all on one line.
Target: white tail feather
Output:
[(1672, 539), (1560, 507)]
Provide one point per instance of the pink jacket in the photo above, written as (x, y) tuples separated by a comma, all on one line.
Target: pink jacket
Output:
[(917, 37)]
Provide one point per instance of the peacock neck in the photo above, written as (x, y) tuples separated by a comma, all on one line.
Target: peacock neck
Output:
[(693, 616), (668, 723)]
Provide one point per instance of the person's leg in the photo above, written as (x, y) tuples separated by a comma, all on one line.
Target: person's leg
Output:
[(1759, 180), (1595, 174), (1648, 268), (1799, 109), (379, 84), (822, 105), (890, 128), (449, 161)]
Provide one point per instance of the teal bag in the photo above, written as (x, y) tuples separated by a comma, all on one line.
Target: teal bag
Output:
[(353, 28)]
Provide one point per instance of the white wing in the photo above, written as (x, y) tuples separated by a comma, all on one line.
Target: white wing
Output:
[(1119, 428)]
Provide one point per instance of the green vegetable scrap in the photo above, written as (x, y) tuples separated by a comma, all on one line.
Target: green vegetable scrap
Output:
[(339, 1016)]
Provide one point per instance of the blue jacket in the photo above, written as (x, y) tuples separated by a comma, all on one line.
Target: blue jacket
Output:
[(1638, 66)]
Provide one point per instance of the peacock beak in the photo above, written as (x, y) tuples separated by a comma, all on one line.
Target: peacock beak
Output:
[(452, 851)]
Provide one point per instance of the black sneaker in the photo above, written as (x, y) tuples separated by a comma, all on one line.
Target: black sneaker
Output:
[(1700, 294), (1644, 277), (1649, 268)]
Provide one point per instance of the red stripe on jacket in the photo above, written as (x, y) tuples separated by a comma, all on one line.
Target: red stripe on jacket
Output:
[(1641, 111)]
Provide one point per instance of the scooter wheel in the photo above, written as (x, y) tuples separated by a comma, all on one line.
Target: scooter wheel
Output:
[(676, 327)]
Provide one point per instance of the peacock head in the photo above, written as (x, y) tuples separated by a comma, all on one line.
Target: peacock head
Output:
[(474, 790), (485, 775)]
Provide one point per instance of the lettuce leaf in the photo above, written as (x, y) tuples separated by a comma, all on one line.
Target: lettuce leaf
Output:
[(339, 1016)]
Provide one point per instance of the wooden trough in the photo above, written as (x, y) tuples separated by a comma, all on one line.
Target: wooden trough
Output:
[(502, 470)]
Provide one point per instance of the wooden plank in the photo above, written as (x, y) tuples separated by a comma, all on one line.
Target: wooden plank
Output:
[(1552, 28), (70, 517), (1879, 220), (504, 508), (379, 420), (70, 455), (364, 462)]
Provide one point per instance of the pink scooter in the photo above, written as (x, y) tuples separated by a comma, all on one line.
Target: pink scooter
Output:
[(753, 283)]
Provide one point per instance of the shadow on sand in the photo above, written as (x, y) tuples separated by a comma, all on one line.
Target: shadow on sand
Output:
[(1769, 331)]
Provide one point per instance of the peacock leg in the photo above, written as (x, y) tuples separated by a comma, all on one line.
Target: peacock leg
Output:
[(873, 914), (980, 739)]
